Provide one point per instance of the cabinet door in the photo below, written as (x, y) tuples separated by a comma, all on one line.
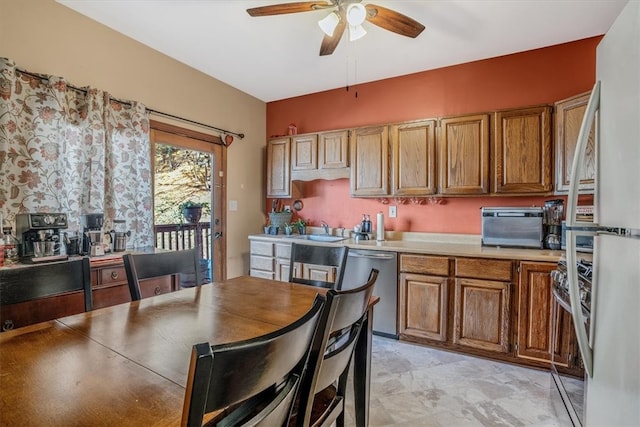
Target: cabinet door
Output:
[(565, 342), (325, 273), (535, 300), (413, 153), (463, 143), (522, 150), (282, 269), (568, 119), (333, 150), (304, 152), (423, 306), (481, 314), (278, 168), (370, 161)]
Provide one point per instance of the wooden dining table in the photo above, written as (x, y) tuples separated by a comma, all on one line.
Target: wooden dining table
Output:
[(127, 364)]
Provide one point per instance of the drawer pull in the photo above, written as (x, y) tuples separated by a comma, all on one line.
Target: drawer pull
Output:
[(114, 274), (157, 290), (8, 325)]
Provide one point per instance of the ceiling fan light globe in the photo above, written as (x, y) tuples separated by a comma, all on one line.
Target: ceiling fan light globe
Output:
[(356, 32), (329, 23), (356, 14)]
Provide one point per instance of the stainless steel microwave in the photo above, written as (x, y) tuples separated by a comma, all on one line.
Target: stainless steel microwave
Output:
[(513, 227)]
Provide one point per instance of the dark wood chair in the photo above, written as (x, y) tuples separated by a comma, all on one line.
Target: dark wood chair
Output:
[(29, 283), (333, 256), (253, 382), (323, 387), (146, 266)]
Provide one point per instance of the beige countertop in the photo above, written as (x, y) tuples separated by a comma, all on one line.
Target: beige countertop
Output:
[(431, 243)]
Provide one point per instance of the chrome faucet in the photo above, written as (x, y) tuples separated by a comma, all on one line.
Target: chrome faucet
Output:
[(325, 226)]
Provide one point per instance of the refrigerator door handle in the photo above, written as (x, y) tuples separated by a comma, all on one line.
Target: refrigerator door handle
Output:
[(578, 158), (572, 203), (576, 304)]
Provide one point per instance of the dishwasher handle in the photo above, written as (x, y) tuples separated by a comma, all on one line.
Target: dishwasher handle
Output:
[(370, 255)]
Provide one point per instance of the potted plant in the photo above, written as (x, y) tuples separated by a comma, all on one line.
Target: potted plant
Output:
[(288, 229), (192, 211), (301, 225)]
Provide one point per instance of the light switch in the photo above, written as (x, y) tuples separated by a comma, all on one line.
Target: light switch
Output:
[(393, 211), (233, 205)]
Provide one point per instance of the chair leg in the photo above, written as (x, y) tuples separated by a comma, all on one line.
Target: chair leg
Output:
[(362, 370)]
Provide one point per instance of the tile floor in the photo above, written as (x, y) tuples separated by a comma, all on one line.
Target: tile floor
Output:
[(413, 385)]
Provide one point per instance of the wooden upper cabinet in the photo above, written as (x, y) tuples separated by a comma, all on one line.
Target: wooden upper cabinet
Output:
[(413, 148), (463, 143), (522, 150), (333, 150), (568, 119), (369, 149), (304, 152), (278, 167)]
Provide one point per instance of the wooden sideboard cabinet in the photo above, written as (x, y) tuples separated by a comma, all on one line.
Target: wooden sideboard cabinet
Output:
[(109, 284), (568, 119), (522, 151), (424, 297), (463, 144), (482, 308)]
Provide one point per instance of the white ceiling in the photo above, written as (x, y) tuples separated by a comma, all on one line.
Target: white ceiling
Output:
[(276, 57)]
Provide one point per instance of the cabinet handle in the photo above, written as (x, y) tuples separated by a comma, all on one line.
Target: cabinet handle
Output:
[(114, 274), (157, 290), (8, 325)]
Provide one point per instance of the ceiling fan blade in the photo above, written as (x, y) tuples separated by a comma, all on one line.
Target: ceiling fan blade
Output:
[(329, 43), (279, 9), (393, 21)]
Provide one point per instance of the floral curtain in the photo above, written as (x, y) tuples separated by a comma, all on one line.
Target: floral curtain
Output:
[(75, 151)]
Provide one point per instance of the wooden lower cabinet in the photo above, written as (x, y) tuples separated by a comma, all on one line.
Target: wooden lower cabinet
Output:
[(481, 314), (424, 306), (534, 316)]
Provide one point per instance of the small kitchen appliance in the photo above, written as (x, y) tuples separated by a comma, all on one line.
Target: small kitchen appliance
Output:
[(553, 216), (119, 236), (95, 238), (40, 236), (512, 226)]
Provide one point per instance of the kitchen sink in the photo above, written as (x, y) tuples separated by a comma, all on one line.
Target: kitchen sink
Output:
[(318, 237)]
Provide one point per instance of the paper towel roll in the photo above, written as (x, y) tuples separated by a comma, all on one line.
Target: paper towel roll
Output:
[(380, 227)]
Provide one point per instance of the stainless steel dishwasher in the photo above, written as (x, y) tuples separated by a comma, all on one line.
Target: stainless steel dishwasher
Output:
[(359, 265)]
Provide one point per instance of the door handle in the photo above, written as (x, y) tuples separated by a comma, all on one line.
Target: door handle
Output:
[(217, 235)]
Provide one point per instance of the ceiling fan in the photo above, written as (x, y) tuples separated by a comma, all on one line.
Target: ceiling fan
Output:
[(345, 13)]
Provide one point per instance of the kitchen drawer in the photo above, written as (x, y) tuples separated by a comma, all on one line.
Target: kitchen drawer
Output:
[(112, 275), (261, 248), (424, 264), (283, 250), (155, 286), (262, 274), (258, 262), (106, 296), (484, 268)]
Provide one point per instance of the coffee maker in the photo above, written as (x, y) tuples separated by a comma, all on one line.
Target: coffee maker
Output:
[(553, 216), (94, 242), (40, 236)]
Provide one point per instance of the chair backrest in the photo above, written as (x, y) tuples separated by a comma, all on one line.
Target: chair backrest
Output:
[(334, 256), (331, 353), (256, 380), (19, 284), (146, 266)]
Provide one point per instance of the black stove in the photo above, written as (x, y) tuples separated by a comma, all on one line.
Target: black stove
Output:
[(561, 282)]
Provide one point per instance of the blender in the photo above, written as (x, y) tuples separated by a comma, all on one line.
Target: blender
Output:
[(553, 216)]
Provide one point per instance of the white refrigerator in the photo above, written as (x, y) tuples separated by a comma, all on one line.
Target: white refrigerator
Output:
[(611, 347)]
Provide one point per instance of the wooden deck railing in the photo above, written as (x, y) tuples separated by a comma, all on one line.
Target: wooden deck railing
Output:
[(185, 236)]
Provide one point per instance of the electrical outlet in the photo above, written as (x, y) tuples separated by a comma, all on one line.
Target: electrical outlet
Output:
[(393, 211)]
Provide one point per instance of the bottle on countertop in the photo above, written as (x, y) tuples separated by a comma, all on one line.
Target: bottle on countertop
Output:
[(365, 227), (10, 246)]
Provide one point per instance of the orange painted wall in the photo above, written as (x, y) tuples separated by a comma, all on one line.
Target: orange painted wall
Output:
[(534, 77)]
